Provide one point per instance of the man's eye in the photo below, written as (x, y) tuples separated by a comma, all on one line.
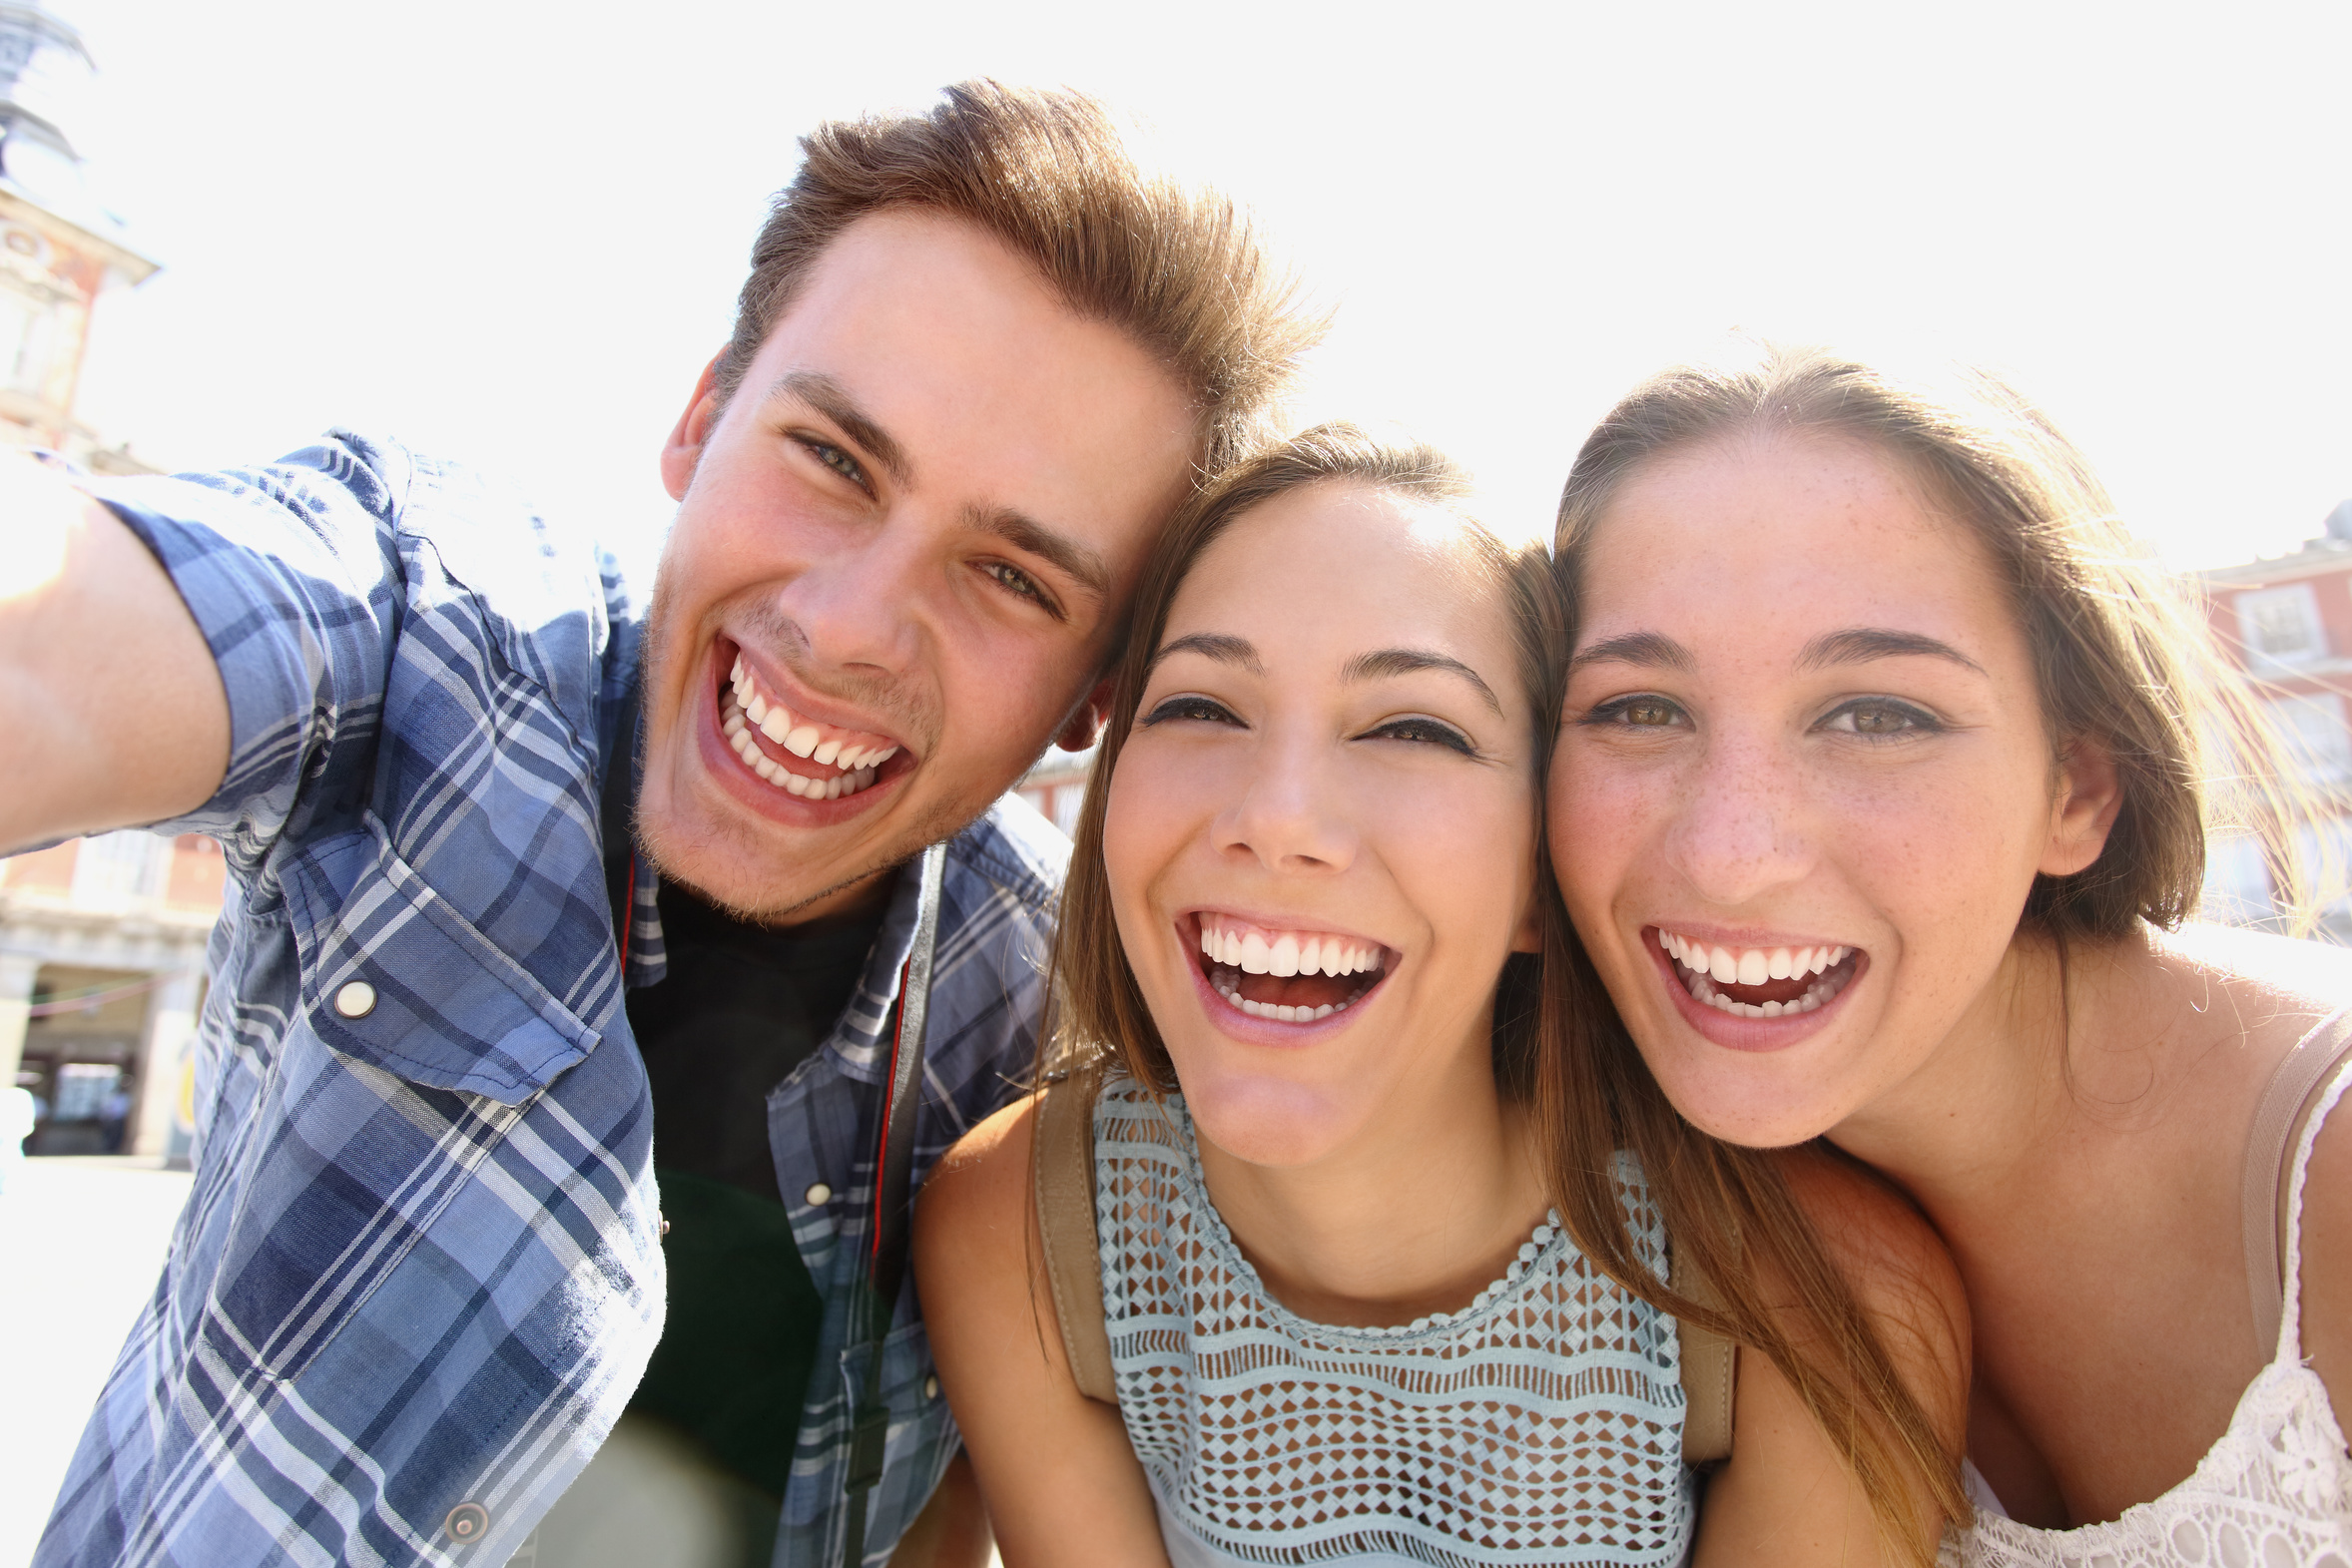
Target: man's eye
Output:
[(836, 459), (1424, 732), (1642, 712), (1014, 578), (1199, 709), (1879, 719)]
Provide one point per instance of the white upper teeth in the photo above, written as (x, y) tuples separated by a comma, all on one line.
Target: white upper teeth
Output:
[(775, 722), (1283, 953), (1750, 965)]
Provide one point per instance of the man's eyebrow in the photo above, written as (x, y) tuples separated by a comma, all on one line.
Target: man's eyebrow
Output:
[(1080, 562), (832, 399), (1386, 662), (1858, 644), (1648, 649), (1213, 645)]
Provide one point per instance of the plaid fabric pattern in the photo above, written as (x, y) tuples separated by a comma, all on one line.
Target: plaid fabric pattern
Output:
[(419, 1272)]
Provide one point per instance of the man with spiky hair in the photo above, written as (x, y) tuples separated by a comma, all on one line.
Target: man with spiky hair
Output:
[(573, 963)]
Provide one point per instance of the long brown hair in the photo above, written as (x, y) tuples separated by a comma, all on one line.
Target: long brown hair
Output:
[(2122, 659), (1097, 1006)]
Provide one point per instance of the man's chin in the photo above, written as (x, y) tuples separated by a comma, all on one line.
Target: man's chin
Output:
[(761, 883)]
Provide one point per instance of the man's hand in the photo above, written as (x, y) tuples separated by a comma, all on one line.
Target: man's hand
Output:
[(112, 712)]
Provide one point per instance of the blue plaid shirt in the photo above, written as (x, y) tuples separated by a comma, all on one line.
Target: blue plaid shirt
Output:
[(419, 1274)]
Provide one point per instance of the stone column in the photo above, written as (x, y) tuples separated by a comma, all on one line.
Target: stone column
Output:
[(170, 1024), (16, 1004)]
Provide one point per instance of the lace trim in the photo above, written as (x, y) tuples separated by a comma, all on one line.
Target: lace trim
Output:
[(1463, 1438)]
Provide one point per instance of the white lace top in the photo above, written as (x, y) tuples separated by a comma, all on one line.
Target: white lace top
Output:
[(1542, 1424), (2274, 1492)]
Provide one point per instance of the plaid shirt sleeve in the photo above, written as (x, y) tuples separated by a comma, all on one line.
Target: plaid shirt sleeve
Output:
[(418, 1275)]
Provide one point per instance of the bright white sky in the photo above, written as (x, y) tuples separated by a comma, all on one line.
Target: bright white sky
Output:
[(516, 231)]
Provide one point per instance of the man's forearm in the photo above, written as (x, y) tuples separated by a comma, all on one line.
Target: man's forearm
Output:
[(112, 711)]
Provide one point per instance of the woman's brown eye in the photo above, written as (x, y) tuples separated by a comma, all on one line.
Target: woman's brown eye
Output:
[(1878, 721), (1648, 711)]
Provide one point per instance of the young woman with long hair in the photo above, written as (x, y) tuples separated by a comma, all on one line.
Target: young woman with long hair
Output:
[(1879, 805), (1302, 925)]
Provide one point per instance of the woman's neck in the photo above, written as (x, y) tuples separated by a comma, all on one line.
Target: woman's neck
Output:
[(2099, 1032), (1416, 1214)]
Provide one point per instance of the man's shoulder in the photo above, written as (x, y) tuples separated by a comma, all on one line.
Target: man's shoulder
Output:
[(1017, 851)]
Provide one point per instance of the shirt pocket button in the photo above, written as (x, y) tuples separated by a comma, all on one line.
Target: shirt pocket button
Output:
[(467, 1523)]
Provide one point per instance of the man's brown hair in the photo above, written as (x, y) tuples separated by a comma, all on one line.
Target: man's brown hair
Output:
[(1050, 175)]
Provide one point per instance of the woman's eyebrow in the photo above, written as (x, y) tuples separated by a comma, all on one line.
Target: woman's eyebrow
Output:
[(1650, 650), (1857, 644), (1386, 662), (1213, 645)]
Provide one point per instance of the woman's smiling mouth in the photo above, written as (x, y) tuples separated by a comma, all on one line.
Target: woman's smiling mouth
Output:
[(1287, 975), (1760, 983)]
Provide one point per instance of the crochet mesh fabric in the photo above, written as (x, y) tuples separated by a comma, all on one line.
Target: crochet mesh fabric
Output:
[(1541, 1425), (2274, 1492)]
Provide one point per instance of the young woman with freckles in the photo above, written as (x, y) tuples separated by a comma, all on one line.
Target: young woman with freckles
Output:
[(1877, 803), (1344, 1324)]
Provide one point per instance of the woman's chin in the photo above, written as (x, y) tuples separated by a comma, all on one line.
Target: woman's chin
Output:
[(1267, 1121)]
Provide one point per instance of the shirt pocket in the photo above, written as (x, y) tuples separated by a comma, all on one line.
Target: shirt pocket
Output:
[(394, 976)]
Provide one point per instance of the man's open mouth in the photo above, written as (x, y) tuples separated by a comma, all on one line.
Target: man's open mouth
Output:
[(1288, 976), (1761, 982), (812, 760)]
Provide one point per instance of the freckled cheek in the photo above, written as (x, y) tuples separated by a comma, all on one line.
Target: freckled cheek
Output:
[(1597, 826)]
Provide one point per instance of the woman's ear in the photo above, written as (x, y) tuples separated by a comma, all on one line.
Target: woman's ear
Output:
[(2082, 813)]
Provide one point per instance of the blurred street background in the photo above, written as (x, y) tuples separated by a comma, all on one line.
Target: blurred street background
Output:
[(81, 1241)]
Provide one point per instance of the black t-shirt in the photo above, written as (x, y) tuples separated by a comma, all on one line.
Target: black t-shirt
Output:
[(740, 1007)]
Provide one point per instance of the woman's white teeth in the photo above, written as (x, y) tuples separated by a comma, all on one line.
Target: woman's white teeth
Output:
[(1286, 954), (1227, 988), (1707, 967), (775, 722)]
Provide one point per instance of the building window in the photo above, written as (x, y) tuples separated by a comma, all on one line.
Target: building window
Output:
[(25, 330), (2313, 727), (2280, 625), (113, 868)]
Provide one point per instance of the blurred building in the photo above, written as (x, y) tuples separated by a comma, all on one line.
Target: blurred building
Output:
[(61, 252), (102, 946), (1056, 786), (2287, 626)]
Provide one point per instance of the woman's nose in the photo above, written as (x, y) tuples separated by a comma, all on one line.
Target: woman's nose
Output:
[(1740, 828), (1291, 814)]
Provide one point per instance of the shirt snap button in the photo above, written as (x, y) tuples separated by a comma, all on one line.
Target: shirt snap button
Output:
[(355, 1000), (467, 1522), (818, 1195), (930, 1387)]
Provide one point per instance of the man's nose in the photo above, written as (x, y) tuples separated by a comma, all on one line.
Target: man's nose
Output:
[(1291, 812), (1742, 827), (860, 602)]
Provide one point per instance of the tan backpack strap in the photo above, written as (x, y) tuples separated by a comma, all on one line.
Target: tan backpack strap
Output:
[(2286, 1103), (1710, 1368), (1065, 1179)]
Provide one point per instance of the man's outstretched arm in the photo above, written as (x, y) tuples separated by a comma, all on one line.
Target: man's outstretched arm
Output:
[(112, 712)]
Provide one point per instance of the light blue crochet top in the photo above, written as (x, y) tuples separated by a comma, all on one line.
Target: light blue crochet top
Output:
[(1542, 1424)]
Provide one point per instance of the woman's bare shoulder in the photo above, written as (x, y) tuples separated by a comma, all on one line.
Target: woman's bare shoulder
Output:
[(980, 1187), (1898, 1266)]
